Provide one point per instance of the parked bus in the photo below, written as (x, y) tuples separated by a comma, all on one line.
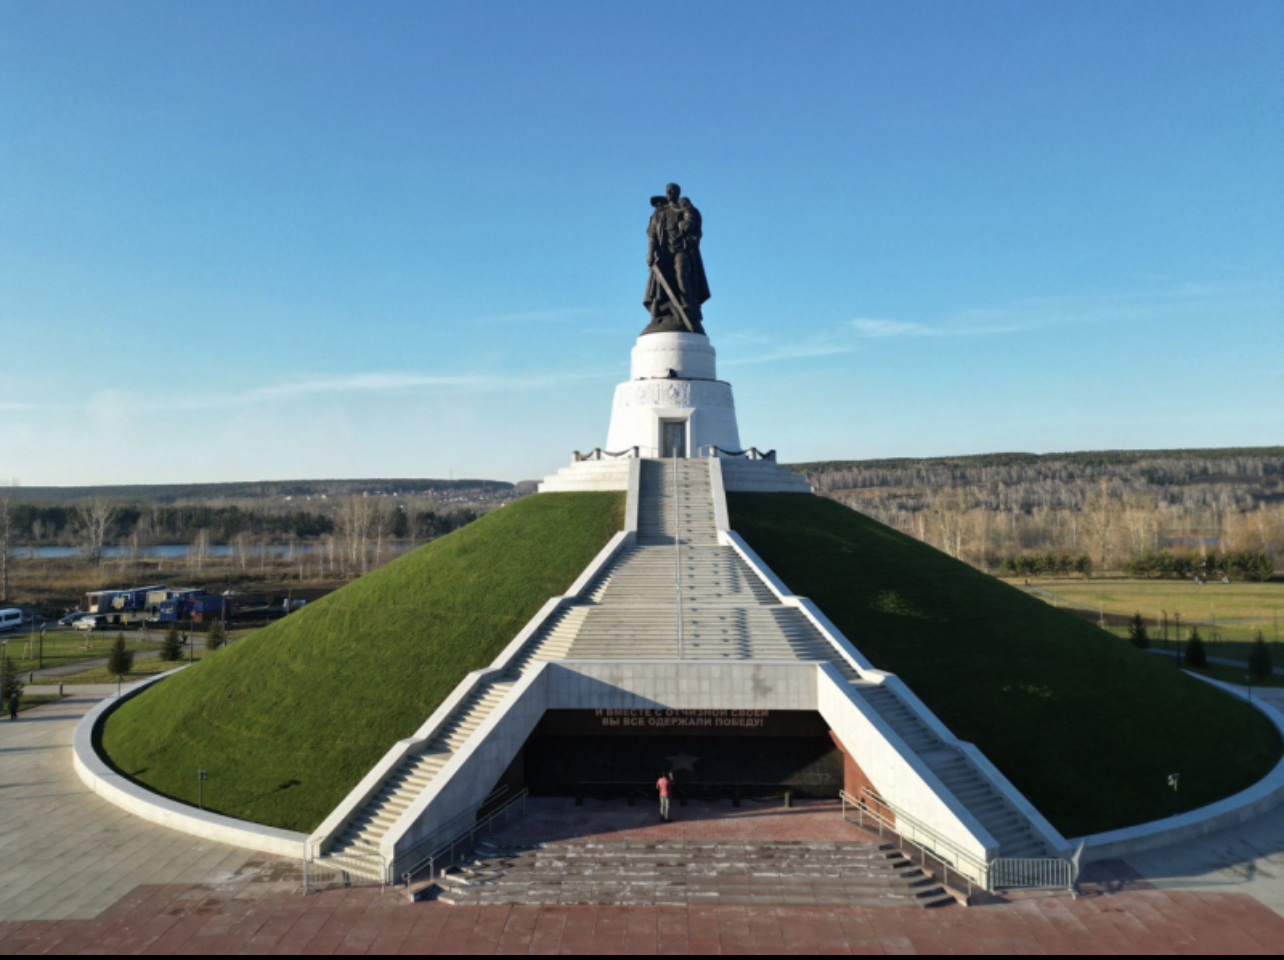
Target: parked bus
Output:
[(10, 620)]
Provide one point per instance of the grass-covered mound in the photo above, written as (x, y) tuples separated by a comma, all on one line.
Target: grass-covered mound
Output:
[(288, 720), (1085, 725)]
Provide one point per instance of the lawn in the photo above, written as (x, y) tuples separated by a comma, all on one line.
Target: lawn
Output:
[(1087, 727), (148, 667), (64, 648), (1229, 615), (288, 720)]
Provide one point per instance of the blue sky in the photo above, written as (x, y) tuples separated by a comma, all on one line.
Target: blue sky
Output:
[(245, 240)]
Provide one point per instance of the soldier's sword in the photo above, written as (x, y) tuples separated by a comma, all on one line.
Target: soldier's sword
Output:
[(672, 299)]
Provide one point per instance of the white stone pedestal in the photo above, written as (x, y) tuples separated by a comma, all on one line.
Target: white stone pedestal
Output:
[(674, 382)]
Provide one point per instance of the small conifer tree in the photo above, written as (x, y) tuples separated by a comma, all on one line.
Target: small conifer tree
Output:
[(10, 682), (120, 660), (172, 646), (1137, 632), (1195, 655), (215, 637), (1259, 659)]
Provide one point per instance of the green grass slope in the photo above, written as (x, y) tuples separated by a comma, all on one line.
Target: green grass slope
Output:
[(288, 720), (1086, 726)]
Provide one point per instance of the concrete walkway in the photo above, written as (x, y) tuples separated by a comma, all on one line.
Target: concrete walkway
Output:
[(64, 853)]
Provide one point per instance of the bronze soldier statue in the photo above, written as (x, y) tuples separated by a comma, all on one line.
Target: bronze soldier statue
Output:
[(677, 286)]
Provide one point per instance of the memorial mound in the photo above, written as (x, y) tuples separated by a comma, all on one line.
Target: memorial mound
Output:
[(1085, 725), (287, 721)]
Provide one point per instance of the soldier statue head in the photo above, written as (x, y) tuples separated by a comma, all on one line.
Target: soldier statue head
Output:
[(673, 191)]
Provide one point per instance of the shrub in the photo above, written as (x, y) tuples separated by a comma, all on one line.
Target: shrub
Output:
[(1195, 655), (120, 660), (1137, 632), (1259, 659), (216, 636), (10, 682), (172, 646)]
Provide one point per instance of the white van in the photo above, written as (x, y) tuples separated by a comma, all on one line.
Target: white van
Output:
[(10, 620)]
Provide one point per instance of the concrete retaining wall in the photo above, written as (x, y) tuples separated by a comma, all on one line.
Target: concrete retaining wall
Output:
[(1260, 798), (99, 777)]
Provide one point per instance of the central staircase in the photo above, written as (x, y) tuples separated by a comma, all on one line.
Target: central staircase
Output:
[(823, 873), (676, 571)]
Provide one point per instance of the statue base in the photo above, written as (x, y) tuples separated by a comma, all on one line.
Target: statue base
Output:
[(674, 403)]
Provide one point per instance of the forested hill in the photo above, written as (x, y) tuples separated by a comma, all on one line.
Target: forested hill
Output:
[(1265, 464), (271, 490), (1112, 505)]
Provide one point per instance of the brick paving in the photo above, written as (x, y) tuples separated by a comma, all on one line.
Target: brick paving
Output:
[(158, 892), (261, 916)]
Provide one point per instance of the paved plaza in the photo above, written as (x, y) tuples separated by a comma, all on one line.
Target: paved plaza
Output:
[(77, 875)]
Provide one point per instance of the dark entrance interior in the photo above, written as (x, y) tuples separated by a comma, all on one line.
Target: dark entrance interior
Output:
[(713, 753)]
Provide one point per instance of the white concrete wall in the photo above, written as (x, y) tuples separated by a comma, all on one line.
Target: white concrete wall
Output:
[(899, 774), (690, 355), (116, 789), (641, 406), (589, 475), (761, 476)]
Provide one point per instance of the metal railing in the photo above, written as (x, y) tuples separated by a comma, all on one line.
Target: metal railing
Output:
[(371, 868), (443, 855), (597, 453), (1008, 873), (939, 854), (936, 853), (753, 453), (677, 555)]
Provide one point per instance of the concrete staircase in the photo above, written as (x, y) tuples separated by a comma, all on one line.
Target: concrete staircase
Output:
[(824, 873), (630, 612), (1016, 837)]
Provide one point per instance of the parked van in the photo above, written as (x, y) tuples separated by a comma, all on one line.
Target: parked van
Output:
[(10, 620)]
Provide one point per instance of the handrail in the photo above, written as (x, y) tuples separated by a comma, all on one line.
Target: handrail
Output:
[(752, 453), (677, 556), (456, 822), (934, 846), (597, 453), (378, 865), (445, 852), (1001, 873)]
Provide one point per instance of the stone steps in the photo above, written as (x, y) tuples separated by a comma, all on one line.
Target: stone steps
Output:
[(853, 874)]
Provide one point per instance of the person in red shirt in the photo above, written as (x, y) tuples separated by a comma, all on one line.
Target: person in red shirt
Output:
[(665, 786)]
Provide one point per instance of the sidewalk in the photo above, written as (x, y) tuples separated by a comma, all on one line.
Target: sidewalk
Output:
[(65, 853)]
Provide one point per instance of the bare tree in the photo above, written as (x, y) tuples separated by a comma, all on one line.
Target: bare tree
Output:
[(93, 518), (352, 524), (7, 495)]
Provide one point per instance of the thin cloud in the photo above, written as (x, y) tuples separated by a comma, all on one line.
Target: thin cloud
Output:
[(794, 352), (560, 315), (1036, 314), (870, 327)]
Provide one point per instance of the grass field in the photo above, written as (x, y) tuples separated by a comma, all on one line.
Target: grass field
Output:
[(142, 668), (1087, 727), (62, 649), (288, 720), (1233, 611)]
